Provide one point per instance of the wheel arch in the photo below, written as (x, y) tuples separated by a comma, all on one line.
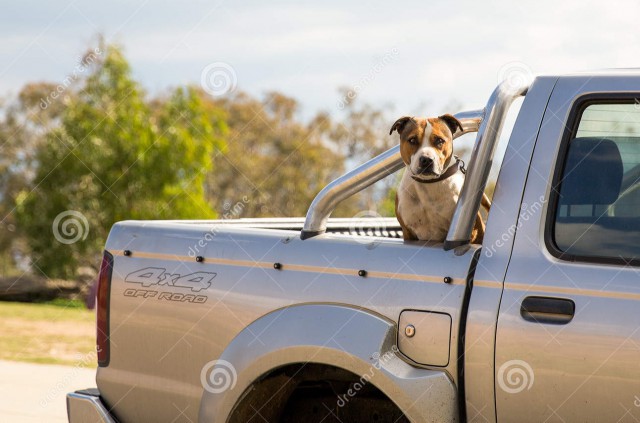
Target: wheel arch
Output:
[(342, 337)]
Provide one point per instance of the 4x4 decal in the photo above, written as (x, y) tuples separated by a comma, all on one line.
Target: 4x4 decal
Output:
[(150, 276), (156, 277)]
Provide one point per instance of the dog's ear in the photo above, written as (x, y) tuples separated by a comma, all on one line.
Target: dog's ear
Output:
[(453, 123), (399, 124)]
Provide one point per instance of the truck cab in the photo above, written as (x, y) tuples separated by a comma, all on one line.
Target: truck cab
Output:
[(316, 319)]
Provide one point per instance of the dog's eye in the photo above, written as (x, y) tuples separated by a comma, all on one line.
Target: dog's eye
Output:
[(413, 140), (439, 141)]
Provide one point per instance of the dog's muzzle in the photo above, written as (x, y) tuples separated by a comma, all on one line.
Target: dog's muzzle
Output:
[(425, 166), (458, 166)]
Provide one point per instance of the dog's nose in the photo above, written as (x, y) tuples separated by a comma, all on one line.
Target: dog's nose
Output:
[(425, 162)]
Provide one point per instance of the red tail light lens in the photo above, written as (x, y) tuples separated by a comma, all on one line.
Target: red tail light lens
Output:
[(104, 296)]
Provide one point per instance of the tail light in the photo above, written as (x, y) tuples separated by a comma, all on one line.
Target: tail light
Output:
[(104, 296)]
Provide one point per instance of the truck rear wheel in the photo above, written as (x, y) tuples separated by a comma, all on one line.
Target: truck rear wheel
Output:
[(314, 393)]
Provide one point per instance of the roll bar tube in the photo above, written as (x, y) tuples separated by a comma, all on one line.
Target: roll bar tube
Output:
[(487, 122), (495, 113)]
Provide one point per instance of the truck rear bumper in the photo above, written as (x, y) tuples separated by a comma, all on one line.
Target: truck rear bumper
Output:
[(86, 406)]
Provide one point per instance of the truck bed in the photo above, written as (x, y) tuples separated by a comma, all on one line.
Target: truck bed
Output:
[(166, 324)]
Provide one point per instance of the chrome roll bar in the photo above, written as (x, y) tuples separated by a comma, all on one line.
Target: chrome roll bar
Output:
[(487, 122), (495, 113), (363, 176)]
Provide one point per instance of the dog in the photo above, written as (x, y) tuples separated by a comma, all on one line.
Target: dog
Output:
[(428, 193)]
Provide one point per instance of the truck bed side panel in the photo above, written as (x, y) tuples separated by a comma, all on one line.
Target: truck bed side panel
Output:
[(172, 314)]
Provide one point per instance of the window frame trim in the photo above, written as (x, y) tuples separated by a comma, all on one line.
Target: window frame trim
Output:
[(580, 104)]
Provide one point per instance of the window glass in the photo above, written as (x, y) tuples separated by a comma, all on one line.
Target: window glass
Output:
[(598, 207)]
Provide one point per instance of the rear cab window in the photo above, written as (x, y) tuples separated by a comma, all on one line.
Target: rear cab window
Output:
[(595, 201)]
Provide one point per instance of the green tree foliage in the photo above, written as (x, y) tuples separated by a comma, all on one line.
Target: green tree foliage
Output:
[(22, 125), (117, 156)]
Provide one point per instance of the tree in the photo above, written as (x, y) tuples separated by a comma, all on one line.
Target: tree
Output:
[(116, 156), (23, 123), (360, 135), (273, 160)]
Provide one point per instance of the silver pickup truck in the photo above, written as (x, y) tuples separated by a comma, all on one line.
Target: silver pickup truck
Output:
[(322, 320)]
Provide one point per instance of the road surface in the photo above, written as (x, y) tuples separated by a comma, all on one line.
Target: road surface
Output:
[(35, 393)]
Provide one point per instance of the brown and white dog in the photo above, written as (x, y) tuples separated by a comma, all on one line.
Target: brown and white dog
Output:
[(431, 184)]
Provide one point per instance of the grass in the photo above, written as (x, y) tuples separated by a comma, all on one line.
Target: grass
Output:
[(58, 332), (61, 302)]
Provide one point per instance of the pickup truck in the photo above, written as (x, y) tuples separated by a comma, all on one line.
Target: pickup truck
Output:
[(340, 320)]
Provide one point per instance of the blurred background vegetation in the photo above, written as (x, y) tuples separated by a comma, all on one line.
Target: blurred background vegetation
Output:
[(108, 150)]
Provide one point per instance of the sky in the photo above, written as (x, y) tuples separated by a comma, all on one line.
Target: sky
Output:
[(414, 57)]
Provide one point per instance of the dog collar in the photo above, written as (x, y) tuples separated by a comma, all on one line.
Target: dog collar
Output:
[(458, 166)]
